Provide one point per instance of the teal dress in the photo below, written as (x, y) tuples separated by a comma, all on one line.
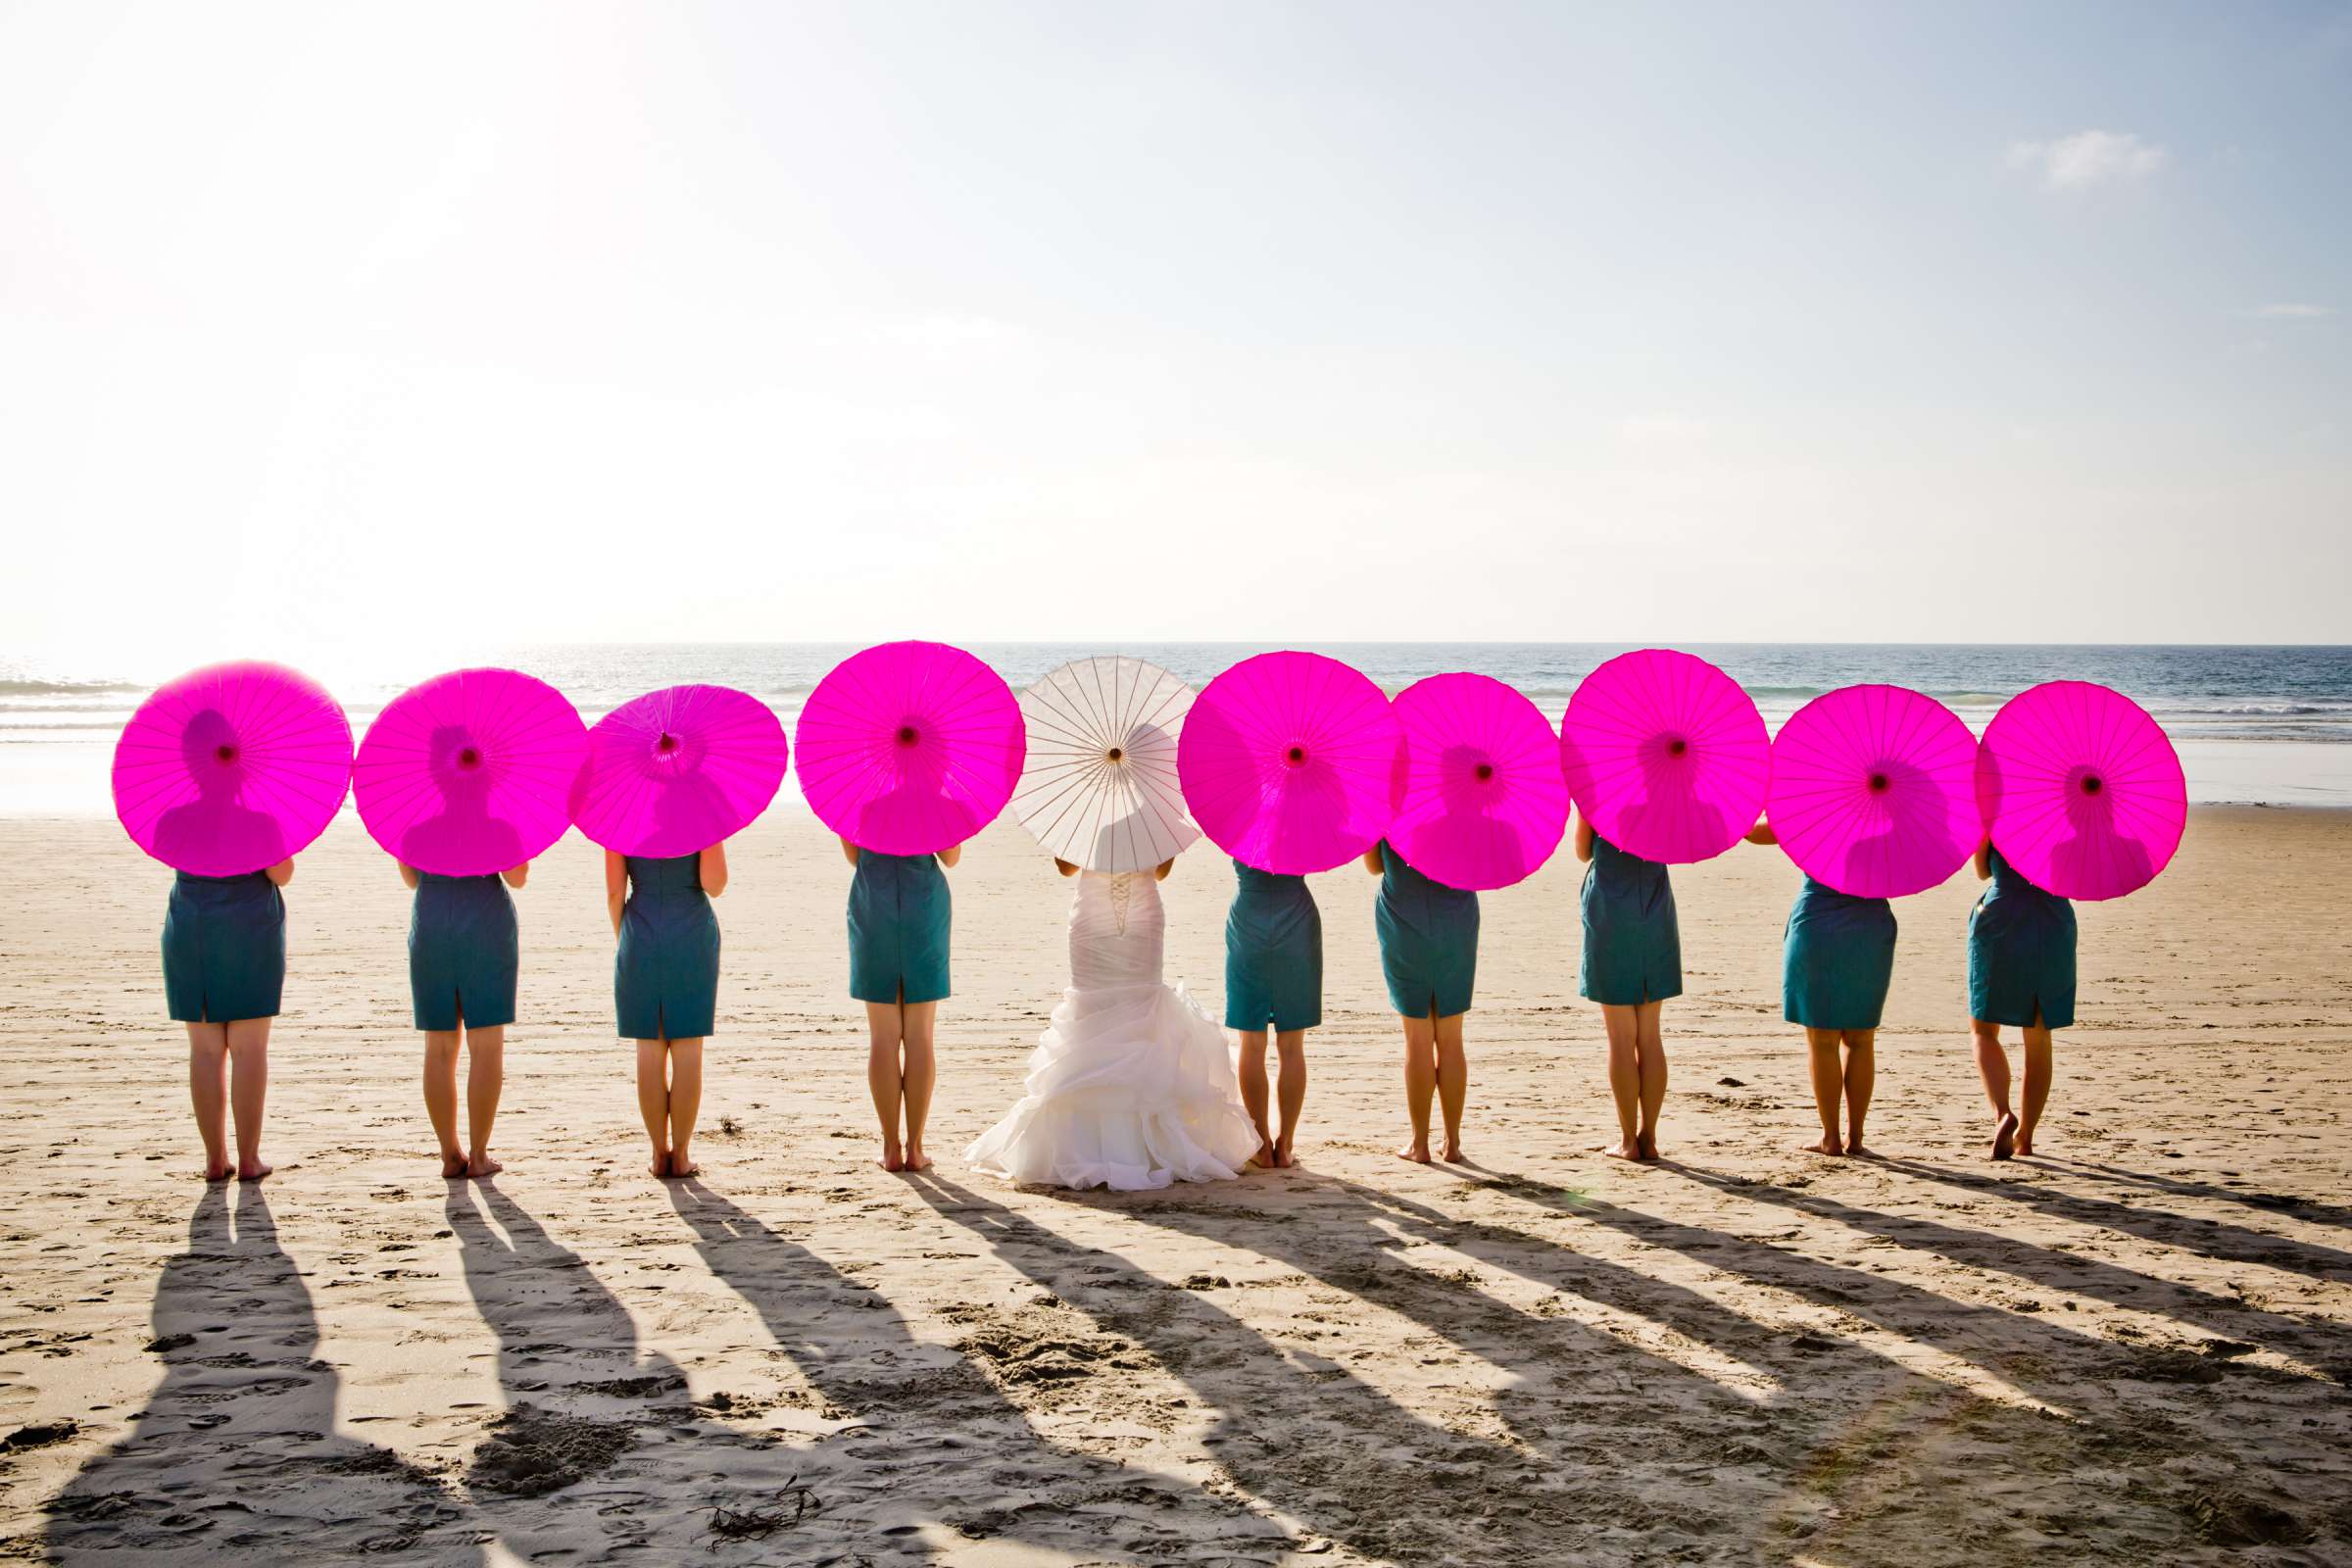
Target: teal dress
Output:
[(1273, 954), (464, 952), (1836, 960), (2021, 953), (1632, 945), (899, 916), (1427, 939), (225, 947), (666, 973)]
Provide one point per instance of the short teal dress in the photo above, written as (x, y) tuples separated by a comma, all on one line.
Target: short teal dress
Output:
[(464, 952), (2021, 953), (1836, 960), (666, 973), (899, 916), (1427, 939), (1632, 945), (225, 947), (1273, 954)]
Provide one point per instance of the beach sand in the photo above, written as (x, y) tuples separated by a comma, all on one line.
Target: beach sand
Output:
[(2135, 1348)]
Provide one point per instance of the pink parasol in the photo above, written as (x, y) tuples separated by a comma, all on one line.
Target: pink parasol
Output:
[(677, 770), (1665, 755), (2080, 790), (1476, 788), (910, 748), (469, 772), (231, 768), (1284, 763), (1874, 791)]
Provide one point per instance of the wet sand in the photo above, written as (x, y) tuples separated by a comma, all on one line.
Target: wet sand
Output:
[(2132, 1347)]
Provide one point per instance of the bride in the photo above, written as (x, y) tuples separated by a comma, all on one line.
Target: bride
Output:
[(1131, 1087)]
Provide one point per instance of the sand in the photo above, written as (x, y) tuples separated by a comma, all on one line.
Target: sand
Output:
[(2135, 1347)]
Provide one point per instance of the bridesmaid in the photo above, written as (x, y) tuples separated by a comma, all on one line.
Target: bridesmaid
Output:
[(225, 971), (1836, 961), (464, 951), (665, 986), (1632, 964), (2021, 971), (900, 914), (1429, 954), (1273, 976)]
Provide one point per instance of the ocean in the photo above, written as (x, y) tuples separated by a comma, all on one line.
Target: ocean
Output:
[(2268, 725)]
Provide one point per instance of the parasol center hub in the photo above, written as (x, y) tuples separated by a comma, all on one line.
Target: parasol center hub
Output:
[(1677, 747), (1294, 755), (667, 743), (469, 757), (2092, 784), (225, 752), (1879, 783), (1485, 771), (907, 735), (1116, 754)]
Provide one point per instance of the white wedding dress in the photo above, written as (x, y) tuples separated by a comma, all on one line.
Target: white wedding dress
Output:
[(1131, 1087)]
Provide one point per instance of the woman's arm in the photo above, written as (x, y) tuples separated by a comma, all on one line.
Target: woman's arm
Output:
[(1985, 860), (1584, 836), (711, 869), (950, 855), (408, 874), (1762, 832), (517, 875), (1165, 867), (1373, 862), (849, 851), (1064, 866), (616, 887), (282, 872)]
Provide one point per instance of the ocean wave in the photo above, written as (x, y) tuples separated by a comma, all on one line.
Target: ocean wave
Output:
[(68, 688)]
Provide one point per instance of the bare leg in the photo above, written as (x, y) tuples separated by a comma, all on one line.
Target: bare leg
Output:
[(441, 1096), (652, 1098), (1654, 1077), (1623, 1024), (884, 1026), (1829, 1086), (1992, 1066), (2041, 1068), (1291, 1090), (1249, 1067), (921, 1073), (248, 1089), (1453, 1082), (207, 1092), (1420, 1084), (485, 1079), (685, 1099), (1861, 1076)]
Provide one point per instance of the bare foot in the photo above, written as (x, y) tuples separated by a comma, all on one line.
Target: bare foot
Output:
[(1455, 1156), (661, 1165), (682, 1167), (1284, 1157), (453, 1166), (1263, 1159), (1827, 1146), (2025, 1144), (1418, 1154), (482, 1165), (1626, 1151), (1645, 1146), (2004, 1137), (219, 1173), (252, 1170), (916, 1159), (1855, 1151), (892, 1161)]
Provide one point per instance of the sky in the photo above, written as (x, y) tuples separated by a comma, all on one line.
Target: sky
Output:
[(333, 323)]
